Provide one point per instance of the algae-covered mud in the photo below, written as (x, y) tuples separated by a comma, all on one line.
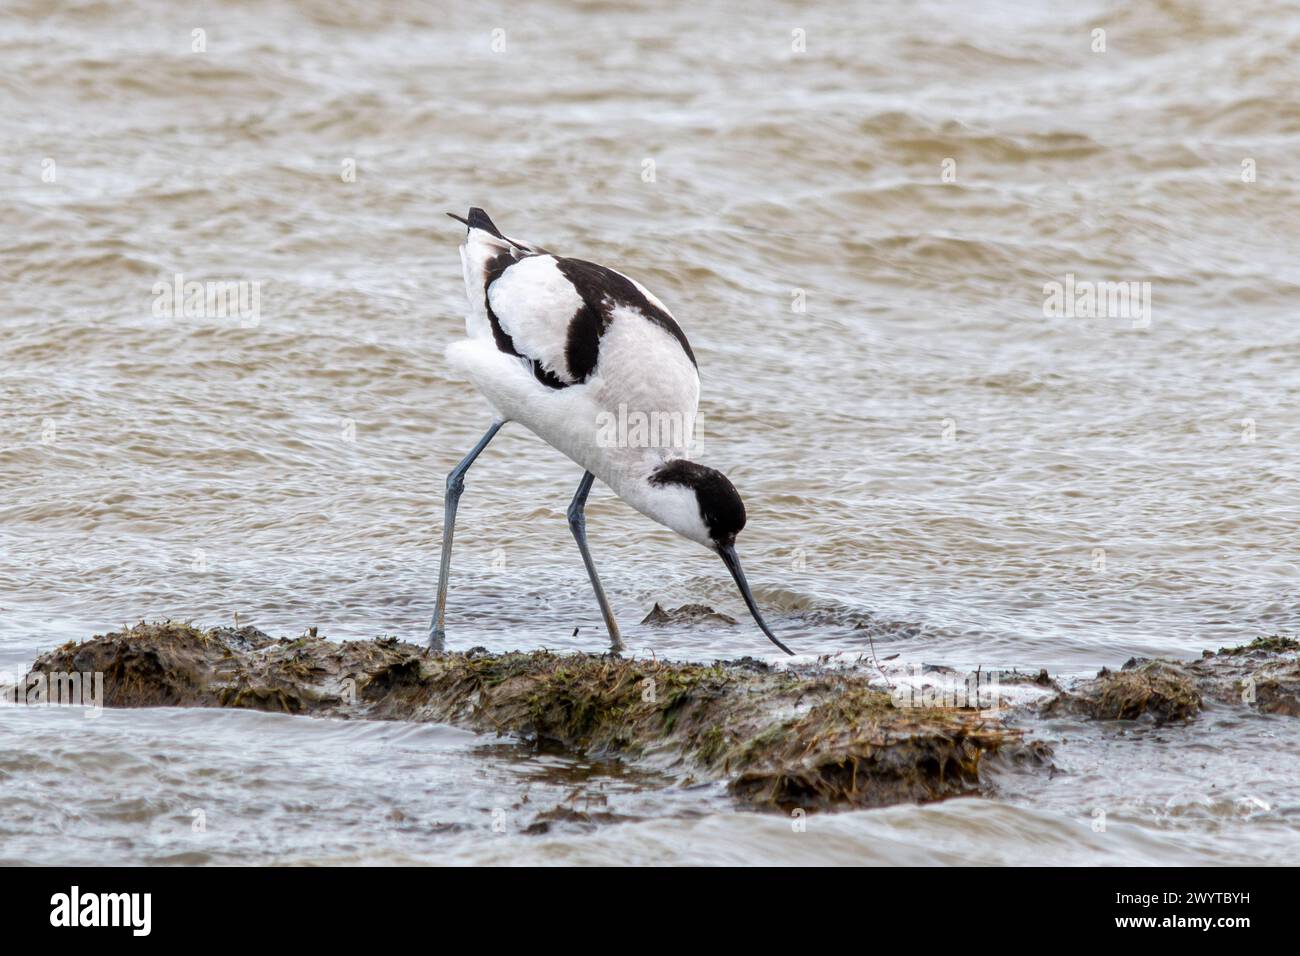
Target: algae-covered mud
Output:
[(804, 738), (796, 741)]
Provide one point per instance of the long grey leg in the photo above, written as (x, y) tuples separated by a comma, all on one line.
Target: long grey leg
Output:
[(455, 485), (578, 524)]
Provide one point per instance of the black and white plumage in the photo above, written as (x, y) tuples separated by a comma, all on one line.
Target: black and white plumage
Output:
[(566, 347)]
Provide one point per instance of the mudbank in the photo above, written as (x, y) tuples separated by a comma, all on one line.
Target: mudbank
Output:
[(812, 738), (810, 735)]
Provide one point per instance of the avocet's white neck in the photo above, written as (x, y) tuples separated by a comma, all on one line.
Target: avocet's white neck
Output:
[(674, 506)]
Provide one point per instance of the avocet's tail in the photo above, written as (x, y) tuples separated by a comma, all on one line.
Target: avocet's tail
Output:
[(484, 256), (478, 219), (478, 225)]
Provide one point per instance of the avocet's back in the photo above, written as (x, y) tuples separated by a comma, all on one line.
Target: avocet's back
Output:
[(582, 355)]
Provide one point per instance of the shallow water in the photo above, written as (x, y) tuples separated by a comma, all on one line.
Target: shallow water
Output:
[(927, 459)]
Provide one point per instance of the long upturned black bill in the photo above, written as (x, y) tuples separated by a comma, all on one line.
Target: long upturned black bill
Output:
[(732, 562)]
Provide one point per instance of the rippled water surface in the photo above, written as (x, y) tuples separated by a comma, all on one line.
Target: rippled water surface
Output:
[(927, 459)]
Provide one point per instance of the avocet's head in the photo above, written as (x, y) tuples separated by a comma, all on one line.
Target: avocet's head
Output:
[(700, 503)]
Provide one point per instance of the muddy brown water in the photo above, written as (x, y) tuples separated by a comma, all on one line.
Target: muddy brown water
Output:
[(928, 458)]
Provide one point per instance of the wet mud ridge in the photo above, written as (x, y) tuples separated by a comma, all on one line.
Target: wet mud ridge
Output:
[(1263, 675), (813, 736)]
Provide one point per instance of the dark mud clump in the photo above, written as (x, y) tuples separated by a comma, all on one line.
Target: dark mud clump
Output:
[(1263, 675), (687, 614), (807, 737), (1158, 689), (1014, 677), (855, 746)]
